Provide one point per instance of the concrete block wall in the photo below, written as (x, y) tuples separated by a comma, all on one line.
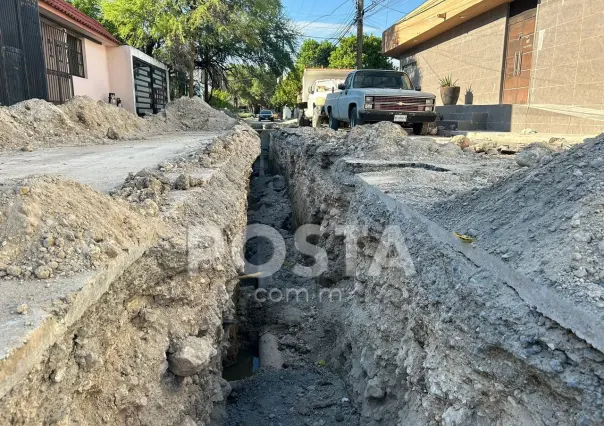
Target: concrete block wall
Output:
[(471, 52), (569, 59)]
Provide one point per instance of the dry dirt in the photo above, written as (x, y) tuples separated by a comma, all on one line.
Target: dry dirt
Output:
[(35, 123)]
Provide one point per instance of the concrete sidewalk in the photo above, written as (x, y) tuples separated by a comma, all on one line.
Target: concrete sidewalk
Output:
[(103, 167)]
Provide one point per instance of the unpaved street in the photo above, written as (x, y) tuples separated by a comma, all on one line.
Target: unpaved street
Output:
[(102, 166)]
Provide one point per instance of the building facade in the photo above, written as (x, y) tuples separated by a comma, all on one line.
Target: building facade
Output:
[(51, 50), (526, 63)]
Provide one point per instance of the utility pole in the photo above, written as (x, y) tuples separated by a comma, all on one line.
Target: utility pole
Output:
[(360, 13)]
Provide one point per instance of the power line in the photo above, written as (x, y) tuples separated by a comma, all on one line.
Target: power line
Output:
[(324, 16)]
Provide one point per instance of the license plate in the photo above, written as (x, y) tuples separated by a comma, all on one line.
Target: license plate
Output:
[(400, 118)]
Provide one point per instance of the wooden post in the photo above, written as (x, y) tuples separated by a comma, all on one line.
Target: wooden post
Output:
[(360, 13)]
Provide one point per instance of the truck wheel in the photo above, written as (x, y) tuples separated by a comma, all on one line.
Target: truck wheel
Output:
[(334, 124), (420, 128), (354, 118), (316, 117)]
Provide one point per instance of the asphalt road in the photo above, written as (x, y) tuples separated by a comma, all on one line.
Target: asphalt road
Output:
[(103, 167)]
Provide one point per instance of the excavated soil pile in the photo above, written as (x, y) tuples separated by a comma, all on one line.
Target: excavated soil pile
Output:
[(82, 121), (190, 114), (53, 227), (558, 203)]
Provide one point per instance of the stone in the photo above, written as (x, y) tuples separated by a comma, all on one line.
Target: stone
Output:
[(456, 416), (27, 148), (22, 309), (182, 182), (192, 355), (48, 241), (113, 134), (339, 417), (461, 141), (43, 272), (593, 354), (23, 190), (528, 132), (289, 341), (532, 154), (13, 270), (188, 421), (374, 389)]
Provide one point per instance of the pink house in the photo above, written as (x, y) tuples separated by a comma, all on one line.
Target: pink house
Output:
[(77, 57)]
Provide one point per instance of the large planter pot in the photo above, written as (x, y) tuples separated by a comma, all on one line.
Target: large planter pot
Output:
[(449, 95)]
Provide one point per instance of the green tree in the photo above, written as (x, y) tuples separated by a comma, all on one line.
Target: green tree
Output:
[(345, 56), (251, 86), (93, 9), (207, 35), (288, 89), (313, 54)]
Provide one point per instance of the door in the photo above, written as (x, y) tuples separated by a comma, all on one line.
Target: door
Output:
[(56, 55), (150, 85), (519, 55), (342, 101)]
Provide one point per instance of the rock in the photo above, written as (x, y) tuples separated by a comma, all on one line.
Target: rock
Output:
[(288, 341), (13, 270), (339, 417), (580, 273), (532, 154), (48, 241), (455, 416), (110, 249), (43, 272), (188, 421), (528, 132), (593, 354), (27, 148), (182, 182), (433, 131), (374, 389), (461, 141), (23, 190), (112, 133), (557, 366), (22, 309), (192, 355)]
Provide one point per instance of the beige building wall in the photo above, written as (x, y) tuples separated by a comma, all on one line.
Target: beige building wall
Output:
[(471, 53), (121, 78), (568, 65), (96, 69)]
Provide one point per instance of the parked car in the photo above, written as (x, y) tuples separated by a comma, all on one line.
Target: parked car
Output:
[(316, 84), (369, 96), (266, 114)]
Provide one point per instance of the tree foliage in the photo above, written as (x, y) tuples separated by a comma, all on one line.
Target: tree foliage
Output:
[(207, 35), (313, 54), (251, 86), (345, 56), (288, 89)]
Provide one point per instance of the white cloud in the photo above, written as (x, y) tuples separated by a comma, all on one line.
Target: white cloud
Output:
[(322, 30)]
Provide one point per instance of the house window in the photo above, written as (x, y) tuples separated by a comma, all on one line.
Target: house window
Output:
[(76, 56)]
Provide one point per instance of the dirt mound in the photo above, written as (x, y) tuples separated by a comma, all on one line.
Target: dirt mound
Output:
[(191, 114), (54, 227), (386, 140), (99, 119), (558, 203), (36, 123)]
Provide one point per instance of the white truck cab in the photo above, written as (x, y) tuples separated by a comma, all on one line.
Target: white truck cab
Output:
[(369, 96)]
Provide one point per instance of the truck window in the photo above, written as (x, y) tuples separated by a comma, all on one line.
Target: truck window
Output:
[(382, 80)]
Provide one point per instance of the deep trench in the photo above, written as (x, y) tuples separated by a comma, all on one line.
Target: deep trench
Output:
[(278, 378)]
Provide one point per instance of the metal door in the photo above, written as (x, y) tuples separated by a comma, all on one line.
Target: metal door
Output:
[(60, 81)]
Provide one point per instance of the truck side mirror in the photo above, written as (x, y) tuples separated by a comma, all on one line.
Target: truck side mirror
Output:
[(341, 86), (418, 88)]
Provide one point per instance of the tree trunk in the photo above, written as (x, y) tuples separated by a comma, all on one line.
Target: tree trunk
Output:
[(192, 73), (206, 87)]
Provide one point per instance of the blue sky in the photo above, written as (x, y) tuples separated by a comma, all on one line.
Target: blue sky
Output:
[(317, 19)]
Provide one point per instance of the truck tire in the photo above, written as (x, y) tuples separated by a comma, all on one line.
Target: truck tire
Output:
[(354, 118), (334, 124), (420, 128), (316, 117)]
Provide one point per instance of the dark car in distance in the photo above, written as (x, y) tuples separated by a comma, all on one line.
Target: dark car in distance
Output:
[(266, 114)]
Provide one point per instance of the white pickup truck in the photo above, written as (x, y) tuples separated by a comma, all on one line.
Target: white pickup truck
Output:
[(369, 96), (317, 83)]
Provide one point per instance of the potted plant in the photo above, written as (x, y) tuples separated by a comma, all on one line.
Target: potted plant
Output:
[(449, 91), (469, 96)]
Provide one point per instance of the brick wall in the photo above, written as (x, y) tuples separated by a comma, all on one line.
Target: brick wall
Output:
[(569, 63), (471, 52)]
